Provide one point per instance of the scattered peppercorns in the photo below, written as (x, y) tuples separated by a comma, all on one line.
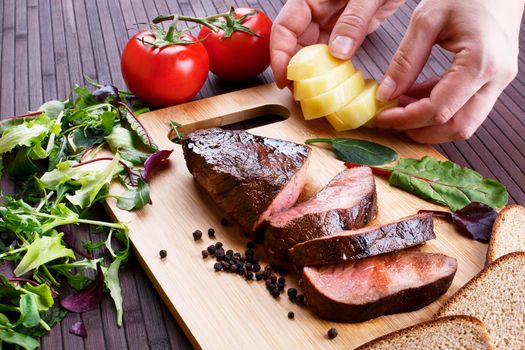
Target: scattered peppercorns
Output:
[(217, 266), (205, 254), (197, 234), (211, 232), (163, 254), (275, 293), (300, 299), (332, 333), (212, 250), (292, 293), (291, 315)]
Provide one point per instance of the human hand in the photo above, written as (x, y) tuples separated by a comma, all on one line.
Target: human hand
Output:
[(484, 36), (342, 24)]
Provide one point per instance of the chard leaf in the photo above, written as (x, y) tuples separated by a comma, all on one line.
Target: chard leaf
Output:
[(42, 250), (52, 108), (29, 310), (446, 183), (15, 338), (359, 151), (135, 198), (90, 186), (26, 134)]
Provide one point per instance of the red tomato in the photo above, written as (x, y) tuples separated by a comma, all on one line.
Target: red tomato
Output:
[(242, 55), (167, 75)]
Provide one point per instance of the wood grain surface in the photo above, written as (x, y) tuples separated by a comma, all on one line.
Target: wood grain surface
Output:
[(48, 45), (214, 308)]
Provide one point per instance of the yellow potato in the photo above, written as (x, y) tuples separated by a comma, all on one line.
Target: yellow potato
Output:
[(358, 111), (308, 88), (333, 100), (386, 105), (311, 61)]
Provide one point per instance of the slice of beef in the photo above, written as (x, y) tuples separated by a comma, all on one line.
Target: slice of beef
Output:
[(364, 289), (347, 202), (249, 177), (365, 242)]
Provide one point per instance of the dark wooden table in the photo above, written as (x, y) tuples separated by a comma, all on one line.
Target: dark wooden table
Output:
[(48, 45)]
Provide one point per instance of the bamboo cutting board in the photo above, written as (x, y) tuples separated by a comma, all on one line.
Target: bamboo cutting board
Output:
[(220, 310)]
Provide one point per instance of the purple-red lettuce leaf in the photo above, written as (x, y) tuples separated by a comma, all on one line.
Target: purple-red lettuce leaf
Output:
[(89, 298), (78, 328), (474, 220), (101, 94), (154, 161), (6, 269)]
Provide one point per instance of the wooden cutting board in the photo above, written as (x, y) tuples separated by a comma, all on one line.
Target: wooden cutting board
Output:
[(219, 310)]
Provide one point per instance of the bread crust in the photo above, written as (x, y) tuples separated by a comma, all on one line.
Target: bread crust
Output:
[(491, 254), (427, 324)]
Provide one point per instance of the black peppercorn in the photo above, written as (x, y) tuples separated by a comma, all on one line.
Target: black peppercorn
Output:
[(233, 268), (332, 333), (292, 293), (275, 292), (249, 266), (250, 245), (291, 315), (225, 222), (300, 299), (211, 249), (197, 234), (218, 245), (217, 266), (256, 267), (229, 252), (281, 280), (205, 254), (273, 278), (248, 275), (280, 286), (220, 252), (225, 266), (258, 276), (211, 233), (163, 254), (266, 274)]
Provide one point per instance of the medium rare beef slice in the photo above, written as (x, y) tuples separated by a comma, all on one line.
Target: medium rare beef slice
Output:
[(364, 289), (347, 202), (249, 177), (365, 242)]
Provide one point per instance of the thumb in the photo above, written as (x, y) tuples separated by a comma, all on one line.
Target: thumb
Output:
[(411, 56), (352, 27)]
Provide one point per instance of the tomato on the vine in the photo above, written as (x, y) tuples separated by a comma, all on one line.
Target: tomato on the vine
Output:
[(164, 68), (238, 42)]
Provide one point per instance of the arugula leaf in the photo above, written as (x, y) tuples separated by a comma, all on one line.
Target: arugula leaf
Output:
[(359, 151), (446, 183), (19, 339), (139, 129), (135, 198), (42, 250), (91, 185)]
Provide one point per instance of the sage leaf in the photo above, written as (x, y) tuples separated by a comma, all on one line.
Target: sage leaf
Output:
[(446, 183), (359, 151)]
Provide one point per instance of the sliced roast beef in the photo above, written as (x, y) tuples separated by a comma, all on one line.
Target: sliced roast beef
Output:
[(364, 242), (361, 290), (347, 202), (250, 177)]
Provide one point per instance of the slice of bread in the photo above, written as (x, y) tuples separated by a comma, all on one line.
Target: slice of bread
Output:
[(451, 332), (496, 296), (508, 233)]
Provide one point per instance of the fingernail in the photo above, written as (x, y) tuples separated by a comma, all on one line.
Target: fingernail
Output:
[(341, 47), (386, 89)]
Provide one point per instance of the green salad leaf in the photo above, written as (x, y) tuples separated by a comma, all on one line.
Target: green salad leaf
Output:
[(16, 338), (42, 250), (359, 151), (29, 133), (135, 198)]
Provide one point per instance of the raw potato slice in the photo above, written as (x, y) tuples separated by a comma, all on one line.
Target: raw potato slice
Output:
[(308, 88), (333, 100), (386, 105), (311, 61), (359, 111)]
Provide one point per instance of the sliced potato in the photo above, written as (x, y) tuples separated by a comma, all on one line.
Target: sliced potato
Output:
[(386, 105), (311, 61), (358, 111), (333, 100), (308, 88)]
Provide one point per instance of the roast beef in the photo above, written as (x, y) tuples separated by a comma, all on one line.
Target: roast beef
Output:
[(347, 202), (364, 242), (250, 177), (361, 290)]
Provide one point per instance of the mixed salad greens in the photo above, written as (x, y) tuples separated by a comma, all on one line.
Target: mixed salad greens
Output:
[(52, 155)]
